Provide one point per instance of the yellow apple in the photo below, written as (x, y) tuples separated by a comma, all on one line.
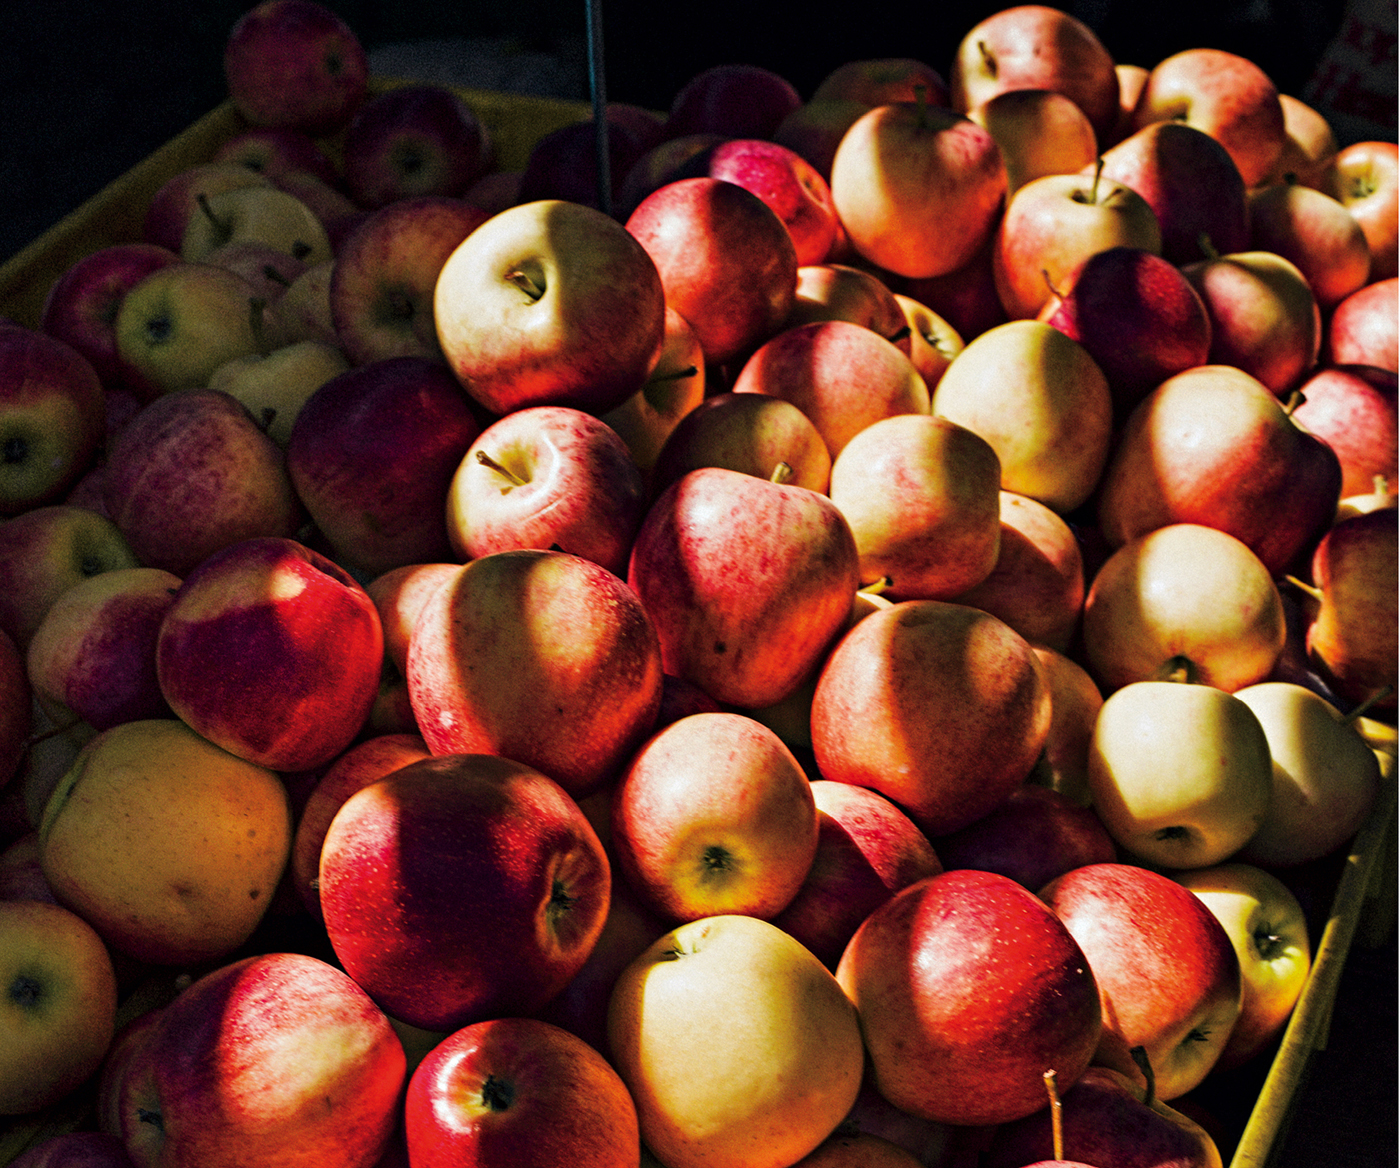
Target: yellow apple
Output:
[(274, 386), (738, 1045)]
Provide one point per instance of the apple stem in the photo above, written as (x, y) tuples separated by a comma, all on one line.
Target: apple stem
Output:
[(525, 282), (271, 273), (1306, 588), (675, 374), (220, 226), (1380, 695), (1144, 1064), (487, 461), (1098, 174), (1050, 284), (875, 587), (1179, 668), (1207, 247), (989, 61), (1295, 399), (1057, 1124), (782, 473)]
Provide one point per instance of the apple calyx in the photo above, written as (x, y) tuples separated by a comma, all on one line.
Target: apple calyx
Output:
[(716, 861), (560, 903), (16, 450), (1057, 1124), (497, 1094), (530, 282), (505, 472), (1267, 942), (25, 992), (1178, 668)]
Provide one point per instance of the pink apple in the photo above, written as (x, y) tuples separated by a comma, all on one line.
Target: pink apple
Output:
[(1365, 178), (734, 100), (295, 63), (1316, 233), (278, 1056), (519, 1091), (1364, 329), (547, 477), (418, 866), (372, 454), (276, 150), (745, 625), (832, 291), (272, 652), (541, 656), (1353, 409), (934, 973)]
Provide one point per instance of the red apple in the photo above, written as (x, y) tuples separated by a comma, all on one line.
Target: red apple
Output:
[(338, 213), (734, 100), (518, 1092), (399, 595), (272, 652), (1075, 701), (1365, 178), (1353, 409), (967, 296), (832, 291), (418, 866), (1315, 233), (880, 80), (968, 987), (1364, 329), (277, 150), (296, 64), (541, 656), (563, 164), (176, 201)]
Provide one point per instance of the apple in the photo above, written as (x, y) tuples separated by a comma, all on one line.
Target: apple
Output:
[(966, 297), (176, 200), (80, 307), (75, 1149), (1037, 582), (922, 497), (918, 188), (1137, 315), (277, 1056), (275, 385), (658, 165), (413, 140), (1179, 772), (940, 707), (1353, 409), (337, 212), (858, 1147), (295, 64), (1054, 224), (181, 322), (753, 433), (276, 150), (1131, 79), (1363, 328), (1309, 143), (542, 656), (273, 652), (421, 864), (933, 341), (713, 815), (1264, 317), (518, 1091), (968, 987), (16, 702), (398, 595), (52, 418), (815, 129), (1315, 233), (1075, 702), (372, 454), (1223, 94), (834, 291), (1190, 181), (255, 214), (1039, 132), (45, 551), (550, 303), (770, 1074), (867, 850), (546, 477), (746, 627), (1365, 178), (1214, 445), (169, 846), (385, 274), (192, 473), (94, 654), (876, 81), (727, 262), (1040, 400), (843, 376), (303, 311), (1033, 46), (266, 267), (1178, 1001), (735, 100), (1184, 595), (563, 164)]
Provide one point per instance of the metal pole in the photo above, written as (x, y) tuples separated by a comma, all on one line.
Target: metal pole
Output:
[(598, 88)]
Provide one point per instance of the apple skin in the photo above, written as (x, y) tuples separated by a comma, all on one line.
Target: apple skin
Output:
[(176, 200), (1353, 409), (733, 100), (1363, 328), (837, 291), (658, 165), (1223, 94), (75, 1149), (419, 865), (60, 1004), (880, 80), (918, 188), (747, 628), (551, 303), (274, 386), (933, 341), (372, 454), (1314, 232), (276, 150), (773, 1071), (563, 164), (1309, 143), (726, 260), (1039, 132), (547, 477), (815, 129), (16, 698), (520, 1092), (941, 708), (273, 652), (277, 1056), (867, 850), (714, 815), (1178, 1001), (193, 473), (1365, 178), (542, 656), (295, 64), (399, 595), (968, 987), (410, 141), (1075, 702)]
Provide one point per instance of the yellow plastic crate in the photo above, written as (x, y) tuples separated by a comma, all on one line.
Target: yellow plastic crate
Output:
[(1364, 903)]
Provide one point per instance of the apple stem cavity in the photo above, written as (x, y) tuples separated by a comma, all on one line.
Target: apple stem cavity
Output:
[(675, 374), (1090, 197), (1144, 1064), (531, 283), (16, 451), (497, 1094), (1179, 668), (1057, 1123), (487, 461)]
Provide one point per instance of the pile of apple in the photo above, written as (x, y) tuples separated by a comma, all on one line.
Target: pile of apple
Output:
[(826, 646)]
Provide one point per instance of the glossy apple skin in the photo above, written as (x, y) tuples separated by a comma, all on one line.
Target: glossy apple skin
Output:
[(867, 850), (968, 987), (1365, 178), (542, 656), (417, 867), (1314, 232), (1075, 701), (226, 1070), (1363, 328), (519, 1092), (273, 652), (295, 64), (837, 291), (1353, 409), (1039, 132), (745, 626), (1152, 995), (372, 454), (940, 707)]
